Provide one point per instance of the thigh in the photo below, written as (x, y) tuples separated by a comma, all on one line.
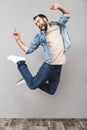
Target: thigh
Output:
[(53, 82), (42, 75)]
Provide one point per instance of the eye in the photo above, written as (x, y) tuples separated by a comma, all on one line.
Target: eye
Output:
[(36, 24), (38, 21)]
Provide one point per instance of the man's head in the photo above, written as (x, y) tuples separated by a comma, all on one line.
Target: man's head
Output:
[(41, 21)]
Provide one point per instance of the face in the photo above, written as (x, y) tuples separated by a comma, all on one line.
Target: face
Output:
[(41, 23)]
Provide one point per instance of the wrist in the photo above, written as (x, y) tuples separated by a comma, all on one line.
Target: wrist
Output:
[(17, 40), (60, 7)]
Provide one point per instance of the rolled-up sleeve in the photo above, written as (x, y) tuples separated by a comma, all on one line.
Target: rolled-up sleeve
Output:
[(33, 45), (63, 19)]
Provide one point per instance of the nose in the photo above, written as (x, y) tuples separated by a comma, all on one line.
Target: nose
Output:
[(38, 24)]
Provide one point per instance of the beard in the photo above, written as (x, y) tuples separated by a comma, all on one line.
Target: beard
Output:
[(44, 26)]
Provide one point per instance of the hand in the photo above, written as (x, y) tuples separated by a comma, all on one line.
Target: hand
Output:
[(54, 6), (16, 35)]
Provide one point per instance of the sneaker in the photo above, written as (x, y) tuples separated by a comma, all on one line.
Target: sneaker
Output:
[(15, 59), (21, 81)]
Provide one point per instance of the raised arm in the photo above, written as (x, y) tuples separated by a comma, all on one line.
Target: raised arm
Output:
[(32, 46), (18, 40), (55, 6)]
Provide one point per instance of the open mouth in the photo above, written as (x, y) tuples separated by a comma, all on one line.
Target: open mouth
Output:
[(41, 26)]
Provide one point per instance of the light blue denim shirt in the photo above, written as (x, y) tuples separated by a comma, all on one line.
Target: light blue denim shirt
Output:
[(40, 38)]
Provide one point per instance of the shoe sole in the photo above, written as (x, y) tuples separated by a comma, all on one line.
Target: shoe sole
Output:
[(21, 81)]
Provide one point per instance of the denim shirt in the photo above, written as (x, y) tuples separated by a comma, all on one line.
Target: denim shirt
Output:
[(40, 38)]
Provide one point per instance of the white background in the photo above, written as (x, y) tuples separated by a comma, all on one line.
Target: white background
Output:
[(70, 100)]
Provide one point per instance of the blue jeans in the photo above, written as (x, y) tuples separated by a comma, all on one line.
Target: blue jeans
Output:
[(47, 78)]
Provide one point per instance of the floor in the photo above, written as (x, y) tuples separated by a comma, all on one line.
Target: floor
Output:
[(43, 124)]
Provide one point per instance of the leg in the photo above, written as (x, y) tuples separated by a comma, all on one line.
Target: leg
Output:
[(47, 72), (53, 82), (44, 73)]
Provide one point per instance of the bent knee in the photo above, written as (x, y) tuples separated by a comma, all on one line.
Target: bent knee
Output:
[(32, 87)]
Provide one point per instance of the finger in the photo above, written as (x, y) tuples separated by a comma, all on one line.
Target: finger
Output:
[(19, 33), (14, 30), (51, 6)]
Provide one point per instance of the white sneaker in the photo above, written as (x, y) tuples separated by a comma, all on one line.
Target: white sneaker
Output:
[(15, 59), (21, 81)]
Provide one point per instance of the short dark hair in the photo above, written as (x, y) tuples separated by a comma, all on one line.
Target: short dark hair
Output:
[(41, 16)]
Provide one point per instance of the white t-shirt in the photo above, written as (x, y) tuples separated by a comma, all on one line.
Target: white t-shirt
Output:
[(56, 48)]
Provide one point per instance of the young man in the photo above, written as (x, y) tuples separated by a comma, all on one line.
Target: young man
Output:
[(54, 38)]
